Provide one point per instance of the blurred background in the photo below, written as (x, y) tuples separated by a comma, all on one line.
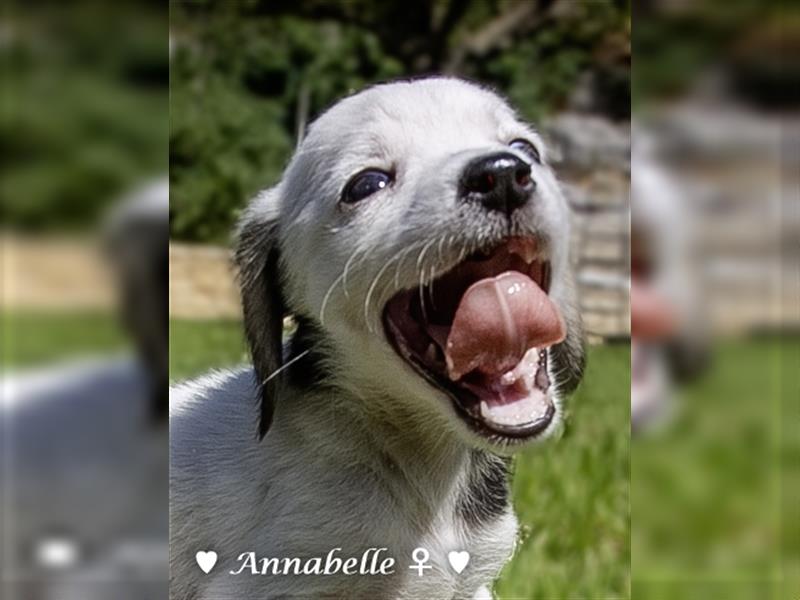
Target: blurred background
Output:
[(84, 234), (715, 299), (711, 474), (247, 76)]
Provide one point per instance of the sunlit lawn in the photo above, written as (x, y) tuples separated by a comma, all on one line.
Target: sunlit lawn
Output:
[(572, 496), (31, 339), (714, 497)]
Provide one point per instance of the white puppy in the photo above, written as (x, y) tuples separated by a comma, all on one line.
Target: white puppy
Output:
[(420, 241)]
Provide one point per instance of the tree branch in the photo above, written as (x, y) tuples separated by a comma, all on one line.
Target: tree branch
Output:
[(520, 14)]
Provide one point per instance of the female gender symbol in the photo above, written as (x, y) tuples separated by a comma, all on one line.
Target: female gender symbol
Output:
[(420, 556)]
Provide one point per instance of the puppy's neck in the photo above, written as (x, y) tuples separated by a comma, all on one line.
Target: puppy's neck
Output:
[(353, 425), (354, 412), (398, 449)]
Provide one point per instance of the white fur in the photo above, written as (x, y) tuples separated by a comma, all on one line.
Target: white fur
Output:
[(377, 458), (82, 462), (313, 486)]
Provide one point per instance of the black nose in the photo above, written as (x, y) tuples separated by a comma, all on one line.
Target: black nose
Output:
[(499, 181)]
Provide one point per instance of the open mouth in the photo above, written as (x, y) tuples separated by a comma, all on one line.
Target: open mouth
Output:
[(480, 333)]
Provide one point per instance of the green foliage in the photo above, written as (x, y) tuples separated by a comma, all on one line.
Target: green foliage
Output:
[(85, 112), (673, 49), (235, 93), (540, 71), (223, 146), (244, 73)]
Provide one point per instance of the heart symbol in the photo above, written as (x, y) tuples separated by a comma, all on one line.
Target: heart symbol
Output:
[(206, 560), (458, 560)]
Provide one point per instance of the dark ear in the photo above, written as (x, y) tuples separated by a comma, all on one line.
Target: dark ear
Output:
[(257, 258)]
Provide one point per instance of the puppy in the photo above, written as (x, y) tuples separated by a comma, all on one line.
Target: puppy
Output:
[(420, 241), (668, 325), (84, 471)]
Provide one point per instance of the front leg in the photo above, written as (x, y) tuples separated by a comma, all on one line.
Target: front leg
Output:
[(483, 593)]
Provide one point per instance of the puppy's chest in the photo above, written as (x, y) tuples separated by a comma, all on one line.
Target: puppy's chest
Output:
[(463, 538), (463, 548), (462, 556)]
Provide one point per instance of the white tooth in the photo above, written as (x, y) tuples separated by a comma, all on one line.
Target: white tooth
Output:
[(430, 353), (508, 378), (529, 253), (522, 411)]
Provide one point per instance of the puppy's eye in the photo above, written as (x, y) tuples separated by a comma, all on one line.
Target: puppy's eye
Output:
[(527, 149), (365, 184)]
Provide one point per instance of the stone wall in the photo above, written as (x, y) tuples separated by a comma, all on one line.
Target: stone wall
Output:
[(54, 273), (201, 283), (591, 156), (744, 212)]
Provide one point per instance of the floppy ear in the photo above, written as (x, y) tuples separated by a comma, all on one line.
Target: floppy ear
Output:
[(257, 258)]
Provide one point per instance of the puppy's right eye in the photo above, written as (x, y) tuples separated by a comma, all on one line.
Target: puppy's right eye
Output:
[(365, 184)]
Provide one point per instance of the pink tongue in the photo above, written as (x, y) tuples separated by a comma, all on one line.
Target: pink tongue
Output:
[(498, 320)]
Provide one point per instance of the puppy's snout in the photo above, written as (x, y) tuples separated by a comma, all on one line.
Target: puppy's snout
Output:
[(499, 181)]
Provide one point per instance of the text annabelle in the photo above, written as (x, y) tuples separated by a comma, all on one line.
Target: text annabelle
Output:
[(369, 563)]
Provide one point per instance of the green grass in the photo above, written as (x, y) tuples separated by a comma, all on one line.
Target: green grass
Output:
[(571, 495), (197, 346), (31, 339), (713, 498), (715, 495)]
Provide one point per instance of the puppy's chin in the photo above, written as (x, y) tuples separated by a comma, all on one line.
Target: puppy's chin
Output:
[(507, 446), (474, 425)]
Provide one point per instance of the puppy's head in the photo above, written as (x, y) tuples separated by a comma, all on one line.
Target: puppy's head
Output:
[(419, 234)]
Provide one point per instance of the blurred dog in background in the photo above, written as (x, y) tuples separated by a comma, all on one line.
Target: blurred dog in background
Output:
[(85, 461)]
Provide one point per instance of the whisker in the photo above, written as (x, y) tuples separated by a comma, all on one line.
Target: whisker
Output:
[(286, 366), (327, 297), (343, 279), (372, 288), (441, 241), (431, 295), (346, 267), (422, 299), (402, 254), (429, 288), (420, 258), (406, 252)]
